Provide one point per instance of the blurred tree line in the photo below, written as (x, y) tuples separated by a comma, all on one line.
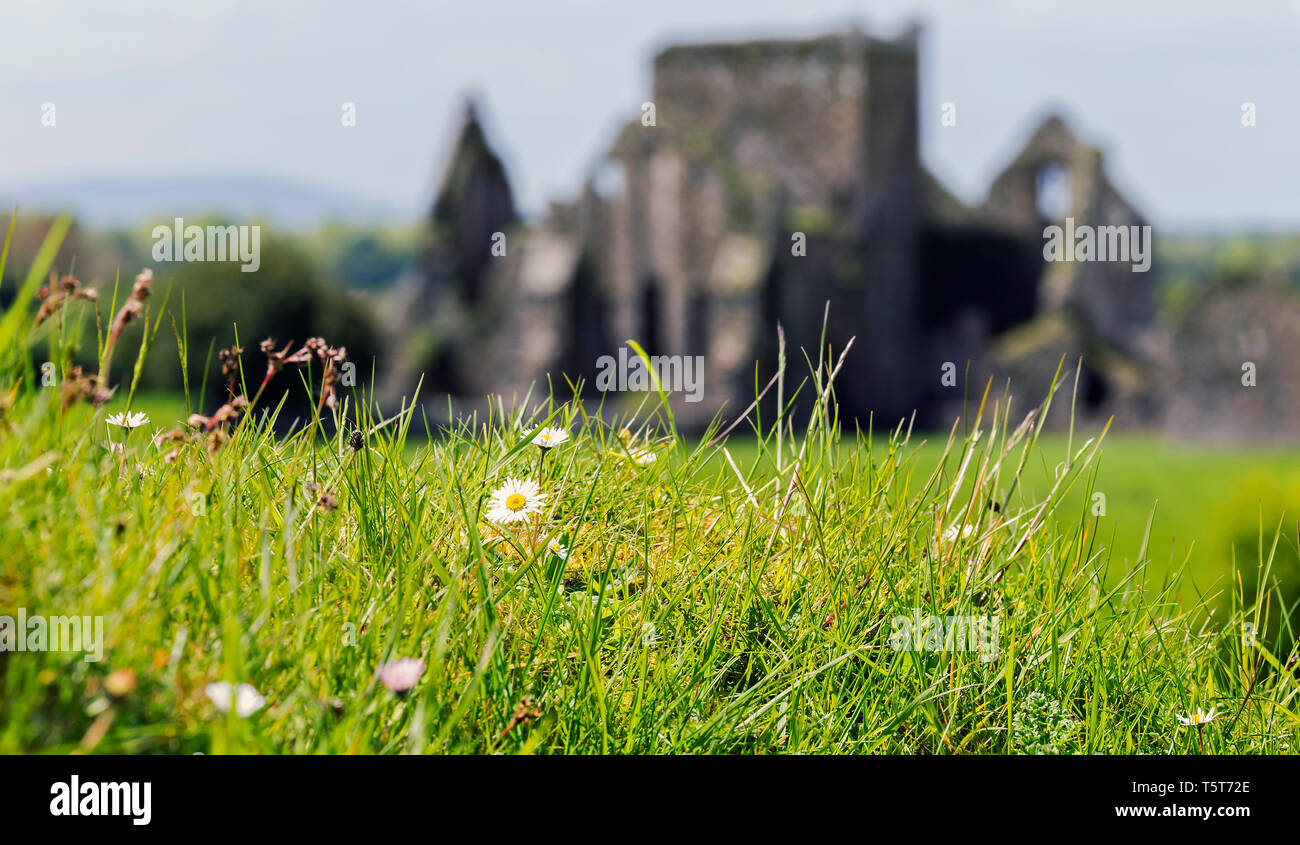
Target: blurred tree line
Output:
[(320, 283), (1189, 263)]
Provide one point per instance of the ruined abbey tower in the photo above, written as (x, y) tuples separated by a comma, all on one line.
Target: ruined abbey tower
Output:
[(759, 181)]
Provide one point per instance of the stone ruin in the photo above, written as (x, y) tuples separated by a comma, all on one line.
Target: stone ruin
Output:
[(686, 238), (1230, 371)]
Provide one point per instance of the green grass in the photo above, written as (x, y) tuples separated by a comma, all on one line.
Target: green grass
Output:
[(1198, 499), (747, 601)]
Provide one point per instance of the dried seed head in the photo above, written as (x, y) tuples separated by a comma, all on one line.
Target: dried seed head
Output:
[(230, 361), (276, 360), (175, 435), (78, 387), (130, 310), (228, 412), (140, 290)]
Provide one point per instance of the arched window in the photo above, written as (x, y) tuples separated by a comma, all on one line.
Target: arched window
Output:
[(610, 179), (1054, 191)]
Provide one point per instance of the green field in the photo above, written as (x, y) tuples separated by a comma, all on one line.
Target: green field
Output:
[(1200, 501)]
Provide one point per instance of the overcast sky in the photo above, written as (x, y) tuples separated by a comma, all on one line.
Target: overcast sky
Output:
[(160, 89)]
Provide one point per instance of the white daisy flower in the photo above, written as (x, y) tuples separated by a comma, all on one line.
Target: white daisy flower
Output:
[(129, 421), (514, 500), (557, 548), (1198, 718), (550, 437), (246, 699)]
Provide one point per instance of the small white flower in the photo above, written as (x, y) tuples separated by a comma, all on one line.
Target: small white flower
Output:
[(247, 700), (550, 437), (514, 500), (1198, 718), (642, 455), (401, 674), (557, 548), (129, 421), (951, 532)]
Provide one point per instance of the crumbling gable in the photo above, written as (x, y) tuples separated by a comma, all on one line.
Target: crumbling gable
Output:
[(474, 204), (1056, 178), (443, 317), (1098, 312)]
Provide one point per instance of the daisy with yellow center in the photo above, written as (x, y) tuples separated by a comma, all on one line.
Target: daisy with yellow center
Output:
[(549, 437), (514, 500), (1198, 718), (557, 548)]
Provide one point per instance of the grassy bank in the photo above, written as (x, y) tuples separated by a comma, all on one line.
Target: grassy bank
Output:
[(692, 604)]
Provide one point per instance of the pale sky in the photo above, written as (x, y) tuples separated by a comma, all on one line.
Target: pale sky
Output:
[(164, 89)]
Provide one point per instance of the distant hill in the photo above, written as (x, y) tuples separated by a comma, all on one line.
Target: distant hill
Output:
[(120, 202)]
